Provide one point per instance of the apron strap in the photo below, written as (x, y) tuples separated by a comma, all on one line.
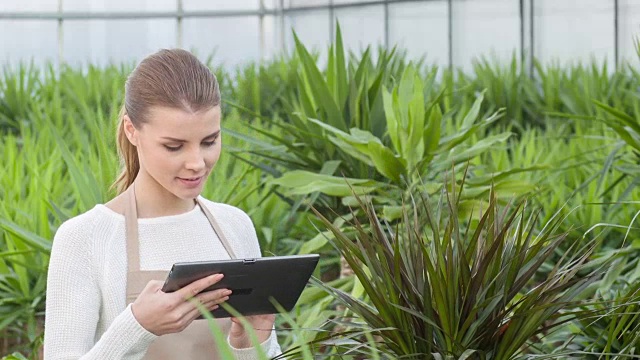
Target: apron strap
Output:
[(217, 229), (131, 228), (136, 279)]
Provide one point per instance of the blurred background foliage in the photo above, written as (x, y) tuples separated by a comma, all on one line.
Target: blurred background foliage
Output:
[(393, 166)]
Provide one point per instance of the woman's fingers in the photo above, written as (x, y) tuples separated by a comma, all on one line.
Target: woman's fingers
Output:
[(210, 297), (197, 286), (162, 313), (153, 286), (215, 294), (195, 312)]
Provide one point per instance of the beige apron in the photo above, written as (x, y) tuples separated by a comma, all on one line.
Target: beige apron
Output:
[(196, 341)]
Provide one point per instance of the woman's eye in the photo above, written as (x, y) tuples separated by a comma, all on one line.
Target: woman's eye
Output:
[(209, 143), (173, 148)]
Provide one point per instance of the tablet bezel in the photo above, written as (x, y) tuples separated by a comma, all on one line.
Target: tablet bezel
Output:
[(252, 280)]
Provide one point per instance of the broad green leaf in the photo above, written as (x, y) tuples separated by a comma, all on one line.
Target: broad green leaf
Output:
[(341, 70), (392, 121), (471, 117), (476, 149), (316, 243), (386, 162), (354, 151), (432, 131), (32, 239), (319, 87), (391, 213), (621, 116), (299, 182)]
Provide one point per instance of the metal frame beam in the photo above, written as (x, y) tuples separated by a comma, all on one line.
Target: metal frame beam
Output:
[(521, 18), (616, 33), (532, 45), (60, 35), (83, 15), (450, 33), (179, 25), (280, 11)]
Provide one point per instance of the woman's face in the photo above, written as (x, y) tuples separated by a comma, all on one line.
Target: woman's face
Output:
[(178, 149)]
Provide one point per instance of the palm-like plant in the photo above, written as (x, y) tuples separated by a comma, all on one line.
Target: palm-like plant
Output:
[(377, 128), (436, 287)]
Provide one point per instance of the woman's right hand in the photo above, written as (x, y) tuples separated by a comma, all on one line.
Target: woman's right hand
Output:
[(164, 313)]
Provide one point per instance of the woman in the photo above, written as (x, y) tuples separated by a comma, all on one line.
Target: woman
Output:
[(108, 265)]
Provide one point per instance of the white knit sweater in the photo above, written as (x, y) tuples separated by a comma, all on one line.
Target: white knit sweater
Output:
[(86, 314)]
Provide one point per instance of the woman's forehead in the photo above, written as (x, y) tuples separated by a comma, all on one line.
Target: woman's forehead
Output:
[(179, 121)]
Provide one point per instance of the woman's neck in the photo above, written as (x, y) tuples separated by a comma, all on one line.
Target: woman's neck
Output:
[(153, 200)]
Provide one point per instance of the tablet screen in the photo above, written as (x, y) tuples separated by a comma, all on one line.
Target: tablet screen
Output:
[(255, 283)]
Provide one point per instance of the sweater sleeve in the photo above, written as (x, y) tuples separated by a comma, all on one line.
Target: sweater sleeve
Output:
[(270, 347), (73, 304)]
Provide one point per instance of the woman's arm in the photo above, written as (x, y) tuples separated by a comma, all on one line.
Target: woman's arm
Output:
[(270, 347), (73, 304)]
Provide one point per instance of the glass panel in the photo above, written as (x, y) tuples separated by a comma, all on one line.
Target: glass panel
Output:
[(271, 4), (420, 29), (573, 30), (312, 28), (104, 41), (231, 41), (272, 36), (119, 5), (361, 27), (42, 46), (195, 5), (29, 6), (489, 28), (629, 30)]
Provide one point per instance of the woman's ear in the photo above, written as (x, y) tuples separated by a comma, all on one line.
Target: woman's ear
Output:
[(130, 131)]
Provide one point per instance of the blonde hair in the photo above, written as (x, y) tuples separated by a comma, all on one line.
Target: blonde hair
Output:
[(169, 78)]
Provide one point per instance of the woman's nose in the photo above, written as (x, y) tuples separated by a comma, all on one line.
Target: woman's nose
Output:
[(195, 160)]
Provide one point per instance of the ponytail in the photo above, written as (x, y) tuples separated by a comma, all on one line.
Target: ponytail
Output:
[(128, 157)]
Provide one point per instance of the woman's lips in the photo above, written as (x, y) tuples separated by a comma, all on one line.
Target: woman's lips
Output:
[(191, 182)]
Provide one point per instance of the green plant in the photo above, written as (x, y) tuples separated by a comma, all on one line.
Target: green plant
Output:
[(15, 356), (17, 95), (347, 125), (439, 287), (613, 332), (55, 126)]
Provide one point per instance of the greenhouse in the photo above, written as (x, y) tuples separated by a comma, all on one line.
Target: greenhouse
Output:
[(320, 179)]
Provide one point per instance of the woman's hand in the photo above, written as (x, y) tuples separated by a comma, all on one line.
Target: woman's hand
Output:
[(164, 313), (261, 324)]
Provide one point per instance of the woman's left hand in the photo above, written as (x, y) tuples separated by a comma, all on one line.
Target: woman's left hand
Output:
[(261, 324)]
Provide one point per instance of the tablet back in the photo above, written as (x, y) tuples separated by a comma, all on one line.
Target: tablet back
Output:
[(253, 281)]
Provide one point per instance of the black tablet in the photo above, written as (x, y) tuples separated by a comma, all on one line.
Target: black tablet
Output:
[(253, 281)]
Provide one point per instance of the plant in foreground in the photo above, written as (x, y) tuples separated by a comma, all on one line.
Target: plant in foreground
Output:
[(438, 287)]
